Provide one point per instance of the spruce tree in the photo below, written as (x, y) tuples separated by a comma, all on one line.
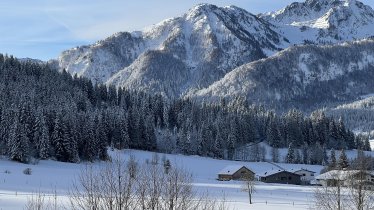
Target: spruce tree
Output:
[(343, 160), (102, 141), (275, 155), (332, 164), (44, 144), (290, 158), (125, 137), (367, 146), (231, 146), (18, 142)]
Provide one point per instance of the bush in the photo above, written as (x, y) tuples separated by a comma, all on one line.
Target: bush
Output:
[(27, 171)]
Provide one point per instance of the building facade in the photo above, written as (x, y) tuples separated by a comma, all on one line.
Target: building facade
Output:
[(235, 173), (281, 177)]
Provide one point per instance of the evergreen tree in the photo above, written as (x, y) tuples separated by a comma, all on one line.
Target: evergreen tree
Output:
[(188, 143), (272, 135), (218, 148), (231, 146), (325, 160), (366, 146), (290, 158), (18, 142), (343, 160), (44, 145), (297, 157), (91, 145), (333, 163), (318, 154), (125, 137), (102, 140), (275, 155), (305, 154)]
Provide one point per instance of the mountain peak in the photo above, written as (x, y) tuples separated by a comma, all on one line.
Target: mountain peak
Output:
[(321, 2), (195, 50), (202, 8)]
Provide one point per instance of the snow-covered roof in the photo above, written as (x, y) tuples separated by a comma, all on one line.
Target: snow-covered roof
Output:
[(230, 170), (339, 174), (301, 169), (272, 172)]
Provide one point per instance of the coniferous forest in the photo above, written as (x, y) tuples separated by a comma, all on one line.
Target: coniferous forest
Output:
[(46, 114)]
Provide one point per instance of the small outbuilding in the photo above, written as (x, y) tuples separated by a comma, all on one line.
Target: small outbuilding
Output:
[(346, 178), (281, 177), (306, 175), (235, 172)]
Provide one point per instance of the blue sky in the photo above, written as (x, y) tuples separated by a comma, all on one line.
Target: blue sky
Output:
[(43, 28)]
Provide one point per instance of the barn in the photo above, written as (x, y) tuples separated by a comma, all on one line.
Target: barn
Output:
[(281, 177), (235, 172), (306, 175)]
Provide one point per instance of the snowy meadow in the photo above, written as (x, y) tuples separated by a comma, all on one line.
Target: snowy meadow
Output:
[(55, 179)]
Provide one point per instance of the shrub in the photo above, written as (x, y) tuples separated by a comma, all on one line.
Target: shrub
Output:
[(27, 171)]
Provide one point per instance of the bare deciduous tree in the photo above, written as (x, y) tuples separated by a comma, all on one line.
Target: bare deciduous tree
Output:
[(330, 195), (129, 185), (348, 188), (37, 202), (249, 183), (329, 198), (41, 201), (360, 184)]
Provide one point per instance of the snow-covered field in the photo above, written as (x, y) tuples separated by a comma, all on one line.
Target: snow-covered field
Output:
[(50, 176)]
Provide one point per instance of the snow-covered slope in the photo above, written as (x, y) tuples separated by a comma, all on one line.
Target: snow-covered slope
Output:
[(357, 115), (302, 77), (187, 54), (323, 21), (204, 44), (366, 103)]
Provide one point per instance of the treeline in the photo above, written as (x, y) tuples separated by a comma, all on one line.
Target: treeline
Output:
[(49, 114)]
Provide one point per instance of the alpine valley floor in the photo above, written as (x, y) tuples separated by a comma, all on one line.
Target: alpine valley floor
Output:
[(56, 178)]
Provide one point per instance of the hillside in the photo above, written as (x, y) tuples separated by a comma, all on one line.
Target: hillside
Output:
[(357, 115), (45, 114), (182, 55), (304, 77), (177, 54)]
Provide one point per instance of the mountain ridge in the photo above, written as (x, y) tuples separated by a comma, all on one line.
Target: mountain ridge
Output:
[(187, 55), (291, 76)]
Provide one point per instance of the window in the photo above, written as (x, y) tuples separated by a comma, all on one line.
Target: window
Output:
[(289, 178), (311, 174), (303, 174)]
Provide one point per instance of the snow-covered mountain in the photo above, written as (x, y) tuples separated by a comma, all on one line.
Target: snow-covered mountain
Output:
[(197, 49), (303, 76), (322, 21), (184, 56)]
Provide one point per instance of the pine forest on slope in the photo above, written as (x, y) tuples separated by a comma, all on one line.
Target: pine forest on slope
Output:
[(202, 83)]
